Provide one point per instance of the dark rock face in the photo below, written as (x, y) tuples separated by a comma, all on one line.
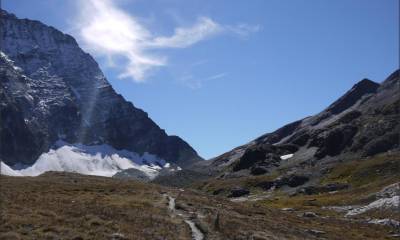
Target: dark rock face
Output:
[(251, 157), (381, 144), (291, 181), (350, 116), (16, 139), (335, 141), (52, 90), (262, 157), (18, 142)]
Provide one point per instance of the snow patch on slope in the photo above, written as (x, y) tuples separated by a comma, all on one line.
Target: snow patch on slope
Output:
[(99, 160), (6, 170), (287, 156)]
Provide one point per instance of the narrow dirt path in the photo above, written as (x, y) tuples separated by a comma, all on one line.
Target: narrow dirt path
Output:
[(197, 234)]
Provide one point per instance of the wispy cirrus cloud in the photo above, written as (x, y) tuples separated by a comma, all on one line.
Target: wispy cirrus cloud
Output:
[(194, 82), (107, 30), (184, 37)]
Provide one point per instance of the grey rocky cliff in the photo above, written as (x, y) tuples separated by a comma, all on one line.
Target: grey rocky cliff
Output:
[(51, 89)]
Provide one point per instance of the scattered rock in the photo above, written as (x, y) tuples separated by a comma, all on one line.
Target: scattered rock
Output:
[(10, 236), (310, 190), (340, 208), (315, 232), (261, 236), (386, 222), (383, 203), (291, 181), (266, 185), (287, 209), (218, 191), (389, 191), (309, 215), (118, 236)]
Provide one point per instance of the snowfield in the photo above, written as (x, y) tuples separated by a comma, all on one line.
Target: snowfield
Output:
[(99, 160), (285, 157)]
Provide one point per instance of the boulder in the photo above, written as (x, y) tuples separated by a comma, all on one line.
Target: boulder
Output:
[(309, 215), (238, 192), (266, 185), (291, 181), (258, 170)]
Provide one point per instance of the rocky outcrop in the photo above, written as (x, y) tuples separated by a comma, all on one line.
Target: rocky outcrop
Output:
[(260, 157), (51, 89), (310, 190)]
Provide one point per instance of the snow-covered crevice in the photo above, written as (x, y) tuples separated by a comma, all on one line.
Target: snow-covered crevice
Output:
[(100, 160)]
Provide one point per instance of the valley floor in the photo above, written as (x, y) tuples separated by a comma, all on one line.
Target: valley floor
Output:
[(72, 206)]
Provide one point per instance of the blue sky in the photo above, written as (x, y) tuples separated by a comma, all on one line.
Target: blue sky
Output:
[(219, 73)]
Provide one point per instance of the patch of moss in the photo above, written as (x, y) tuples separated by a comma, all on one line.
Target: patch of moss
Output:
[(365, 171)]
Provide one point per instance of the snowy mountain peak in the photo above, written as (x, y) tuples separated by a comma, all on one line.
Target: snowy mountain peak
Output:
[(50, 89)]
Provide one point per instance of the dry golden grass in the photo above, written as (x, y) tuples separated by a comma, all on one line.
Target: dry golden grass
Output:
[(241, 220), (72, 206), (365, 177)]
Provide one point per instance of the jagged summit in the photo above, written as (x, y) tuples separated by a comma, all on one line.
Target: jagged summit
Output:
[(52, 90), (359, 90), (4, 13)]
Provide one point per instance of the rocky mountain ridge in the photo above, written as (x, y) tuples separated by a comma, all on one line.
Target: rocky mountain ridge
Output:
[(362, 123)]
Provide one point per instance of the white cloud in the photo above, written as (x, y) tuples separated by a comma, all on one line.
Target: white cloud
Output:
[(107, 30), (216, 76)]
